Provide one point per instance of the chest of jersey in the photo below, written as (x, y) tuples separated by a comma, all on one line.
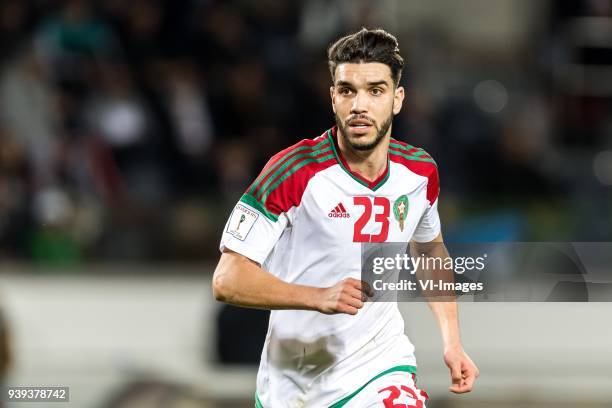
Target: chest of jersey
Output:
[(337, 210)]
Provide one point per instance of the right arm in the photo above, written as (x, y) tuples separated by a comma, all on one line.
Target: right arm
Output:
[(241, 282)]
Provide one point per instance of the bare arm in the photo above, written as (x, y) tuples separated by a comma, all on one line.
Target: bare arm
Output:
[(241, 282), (444, 307)]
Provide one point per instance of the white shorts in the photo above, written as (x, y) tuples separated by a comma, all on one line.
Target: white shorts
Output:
[(394, 390)]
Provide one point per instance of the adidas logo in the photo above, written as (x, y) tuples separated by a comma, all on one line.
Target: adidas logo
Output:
[(339, 212)]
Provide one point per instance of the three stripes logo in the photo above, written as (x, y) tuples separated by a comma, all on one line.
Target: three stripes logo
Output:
[(339, 212)]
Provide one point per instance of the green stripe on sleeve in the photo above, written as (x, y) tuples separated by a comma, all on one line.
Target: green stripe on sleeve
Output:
[(399, 146), (274, 167), (286, 166), (420, 153), (293, 170), (415, 158), (406, 149), (252, 201)]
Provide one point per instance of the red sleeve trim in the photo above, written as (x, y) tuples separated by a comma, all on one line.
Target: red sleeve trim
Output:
[(425, 169)]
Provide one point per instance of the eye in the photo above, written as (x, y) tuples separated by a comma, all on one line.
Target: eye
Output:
[(345, 91), (377, 91)]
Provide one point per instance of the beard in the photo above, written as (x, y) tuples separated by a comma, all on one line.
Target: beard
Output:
[(381, 131)]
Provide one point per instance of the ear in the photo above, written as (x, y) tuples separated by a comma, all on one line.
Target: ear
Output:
[(331, 94), (398, 99)]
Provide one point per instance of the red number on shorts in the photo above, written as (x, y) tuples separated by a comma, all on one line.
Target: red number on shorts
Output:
[(382, 218), (395, 393), (390, 400)]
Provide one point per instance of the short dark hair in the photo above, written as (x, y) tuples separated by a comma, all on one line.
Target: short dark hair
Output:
[(367, 46)]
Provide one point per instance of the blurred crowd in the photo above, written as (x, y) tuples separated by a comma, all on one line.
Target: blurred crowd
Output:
[(129, 128)]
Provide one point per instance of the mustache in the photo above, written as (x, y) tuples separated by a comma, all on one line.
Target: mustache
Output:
[(360, 117)]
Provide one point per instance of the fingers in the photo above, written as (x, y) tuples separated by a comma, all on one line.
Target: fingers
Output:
[(460, 389), (469, 381), (466, 383), (352, 300), (361, 286), (348, 309), (351, 296), (456, 378), (455, 369), (356, 294)]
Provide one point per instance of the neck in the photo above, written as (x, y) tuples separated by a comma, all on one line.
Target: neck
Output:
[(369, 164)]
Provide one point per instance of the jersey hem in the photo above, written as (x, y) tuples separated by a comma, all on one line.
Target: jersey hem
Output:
[(405, 368), (258, 403), (339, 404)]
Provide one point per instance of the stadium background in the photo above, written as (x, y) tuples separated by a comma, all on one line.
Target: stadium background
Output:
[(128, 129)]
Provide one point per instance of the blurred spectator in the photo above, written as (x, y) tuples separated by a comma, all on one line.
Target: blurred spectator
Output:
[(189, 111), (27, 110), (72, 40), (120, 118)]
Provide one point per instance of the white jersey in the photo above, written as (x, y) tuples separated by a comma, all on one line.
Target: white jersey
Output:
[(303, 220)]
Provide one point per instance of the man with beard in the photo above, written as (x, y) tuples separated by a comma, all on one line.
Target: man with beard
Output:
[(292, 245)]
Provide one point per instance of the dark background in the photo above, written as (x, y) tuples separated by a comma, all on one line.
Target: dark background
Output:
[(129, 129)]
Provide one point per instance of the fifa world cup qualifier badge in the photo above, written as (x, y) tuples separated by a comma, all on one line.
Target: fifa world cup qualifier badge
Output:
[(241, 221), (400, 209)]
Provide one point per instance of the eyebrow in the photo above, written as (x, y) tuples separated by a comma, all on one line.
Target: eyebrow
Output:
[(381, 82), (373, 83)]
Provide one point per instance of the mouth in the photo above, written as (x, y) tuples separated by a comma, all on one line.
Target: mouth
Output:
[(360, 126)]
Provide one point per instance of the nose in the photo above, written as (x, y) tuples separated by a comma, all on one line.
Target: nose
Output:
[(359, 104)]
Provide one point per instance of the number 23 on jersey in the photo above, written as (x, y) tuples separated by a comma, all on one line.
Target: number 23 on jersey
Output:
[(380, 208)]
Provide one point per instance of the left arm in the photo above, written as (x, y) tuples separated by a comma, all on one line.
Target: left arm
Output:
[(462, 369)]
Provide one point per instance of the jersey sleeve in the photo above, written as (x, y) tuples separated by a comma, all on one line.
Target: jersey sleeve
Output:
[(257, 221), (265, 209), (429, 227), (250, 232), (261, 215)]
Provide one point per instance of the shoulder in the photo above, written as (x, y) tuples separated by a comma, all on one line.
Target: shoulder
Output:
[(284, 178), (306, 149), (418, 161), (414, 158)]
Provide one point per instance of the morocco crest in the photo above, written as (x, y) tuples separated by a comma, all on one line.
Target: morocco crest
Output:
[(400, 209)]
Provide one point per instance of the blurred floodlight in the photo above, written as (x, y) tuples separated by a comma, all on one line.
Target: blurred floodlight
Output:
[(602, 167), (491, 96), (122, 124)]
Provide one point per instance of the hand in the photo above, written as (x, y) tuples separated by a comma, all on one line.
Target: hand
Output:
[(462, 369), (346, 296)]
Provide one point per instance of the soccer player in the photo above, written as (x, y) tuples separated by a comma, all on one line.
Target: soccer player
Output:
[(292, 245)]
